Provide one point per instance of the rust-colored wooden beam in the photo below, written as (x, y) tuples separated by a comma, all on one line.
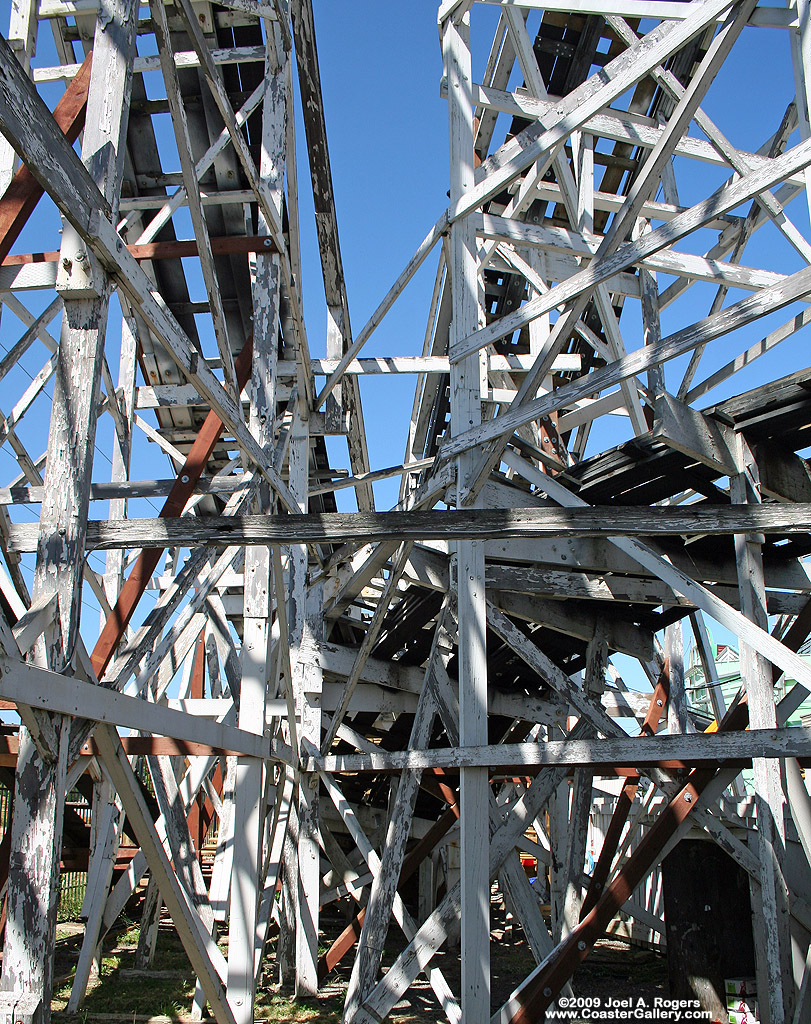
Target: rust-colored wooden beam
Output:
[(24, 191), (164, 746), (133, 745), (228, 245), (625, 800), (541, 987)]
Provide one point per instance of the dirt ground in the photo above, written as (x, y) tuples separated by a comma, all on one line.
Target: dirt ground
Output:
[(122, 994)]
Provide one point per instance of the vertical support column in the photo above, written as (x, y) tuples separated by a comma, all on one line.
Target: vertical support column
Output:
[(148, 934), (248, 816), (249, 792), (651, 325), (96, 895), (40, 785), (108, 822), (22, 37), (558, 832), (286, 945), (774, 947), (466, 413), (594, 684), (307, 685), (801, 55), (678, 719), (335, 349), (114, 564), (298, 478)]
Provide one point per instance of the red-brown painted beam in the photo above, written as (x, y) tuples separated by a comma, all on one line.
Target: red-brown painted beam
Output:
[(539, 990), (625, 800), (227, 245), (207, 812), (24, 191), (545, 983), (183, 488), (165, 746), (133, 745)]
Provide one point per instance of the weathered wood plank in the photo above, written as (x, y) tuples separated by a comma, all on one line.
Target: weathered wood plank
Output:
[(307, 687), (774, 942), (340, 527), (40, 688), (40, 784), (249, 809), (664, 750), (309, 78)]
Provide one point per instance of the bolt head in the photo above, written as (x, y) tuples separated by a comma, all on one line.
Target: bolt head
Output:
[(581, 946)]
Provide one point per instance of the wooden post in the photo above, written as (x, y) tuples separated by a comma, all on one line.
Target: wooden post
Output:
[(773, 941), (22, 35), (594, 684), (40, 785), (249, 810), (801, 54), (307, 686), (299, 454), (677, 707), (469, 560), (148, 933)]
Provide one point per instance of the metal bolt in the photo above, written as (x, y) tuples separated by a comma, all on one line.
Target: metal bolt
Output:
[(268, 242), (688, 797), (547, 991), (185, 478), (581, 945), (660, 703), (81, 257)]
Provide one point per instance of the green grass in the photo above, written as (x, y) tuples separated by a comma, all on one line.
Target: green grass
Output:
[(114, 993), (70, 904)]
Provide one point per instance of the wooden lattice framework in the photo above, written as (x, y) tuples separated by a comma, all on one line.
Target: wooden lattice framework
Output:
[(347, 676)]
